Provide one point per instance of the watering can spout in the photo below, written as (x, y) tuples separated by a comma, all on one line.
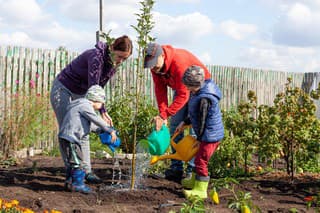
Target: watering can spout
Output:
[(155, 159), (186, 149)]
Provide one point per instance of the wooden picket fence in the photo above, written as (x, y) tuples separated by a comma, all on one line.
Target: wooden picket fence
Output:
[(35, 69)]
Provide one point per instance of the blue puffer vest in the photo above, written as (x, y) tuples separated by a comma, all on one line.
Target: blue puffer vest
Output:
[(214, 130)]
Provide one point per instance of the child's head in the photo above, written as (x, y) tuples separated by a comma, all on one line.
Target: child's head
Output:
[(193, 78), (97, 95)]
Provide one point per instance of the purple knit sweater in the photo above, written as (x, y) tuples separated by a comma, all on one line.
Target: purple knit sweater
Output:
[(93, 66)]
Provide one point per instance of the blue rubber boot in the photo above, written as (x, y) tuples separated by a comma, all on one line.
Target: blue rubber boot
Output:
[(78, 182)]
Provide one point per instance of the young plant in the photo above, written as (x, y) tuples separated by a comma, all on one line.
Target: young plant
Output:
[(244, 127), (297, 125), (194, 204), (227, 160), (313, 201), (143, 28), (241, 202), (27, 120), (269, 147)]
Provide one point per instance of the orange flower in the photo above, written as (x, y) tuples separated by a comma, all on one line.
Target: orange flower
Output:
[(28, 211), (14, 202), (55, 211), (7, 205)]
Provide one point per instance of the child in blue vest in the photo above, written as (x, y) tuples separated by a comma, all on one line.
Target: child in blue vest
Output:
[(204, 115), (79, 121)]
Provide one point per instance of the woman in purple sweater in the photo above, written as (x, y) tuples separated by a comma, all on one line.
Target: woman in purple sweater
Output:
[(93, 66)]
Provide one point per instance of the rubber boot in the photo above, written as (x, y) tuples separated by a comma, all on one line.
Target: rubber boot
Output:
[(93, 178), (188, 182), (173, 175), (199, 189), (78, 181), (68, 181)]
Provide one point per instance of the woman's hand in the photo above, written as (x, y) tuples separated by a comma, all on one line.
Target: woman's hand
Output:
[(159, 122), (113, 136), (106, 117)]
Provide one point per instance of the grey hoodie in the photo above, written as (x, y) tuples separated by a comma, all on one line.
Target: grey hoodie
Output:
[(79, 118)]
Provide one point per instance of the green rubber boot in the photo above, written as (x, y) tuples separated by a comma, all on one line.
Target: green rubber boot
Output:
[(188, 183), (199, 189)]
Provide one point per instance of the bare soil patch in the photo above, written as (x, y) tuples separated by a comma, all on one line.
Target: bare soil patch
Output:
[(38, 183)]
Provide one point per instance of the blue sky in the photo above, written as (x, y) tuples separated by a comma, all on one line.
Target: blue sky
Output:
[(282, 35)]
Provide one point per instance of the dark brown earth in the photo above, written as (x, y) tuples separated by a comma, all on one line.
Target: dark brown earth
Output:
[(38, 184)]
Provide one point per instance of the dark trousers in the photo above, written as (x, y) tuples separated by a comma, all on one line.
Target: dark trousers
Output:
[(73, 153)]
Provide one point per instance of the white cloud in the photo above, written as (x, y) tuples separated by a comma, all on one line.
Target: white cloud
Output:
[(300, 26), (183, 1), (237, 30), (265, 55), (182, 29), (21, 39), (58, 35), (21, 12), (298, 23), (313, 65), (89, 10), (205, 58), (299, 14), (285, 4)]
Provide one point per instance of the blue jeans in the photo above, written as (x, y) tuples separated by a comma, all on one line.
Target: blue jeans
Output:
[(176, 119)]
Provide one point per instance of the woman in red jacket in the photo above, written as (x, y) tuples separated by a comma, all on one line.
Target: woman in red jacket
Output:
[(167, 65)]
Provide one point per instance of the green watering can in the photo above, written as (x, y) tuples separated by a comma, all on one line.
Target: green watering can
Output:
[(159, 141)]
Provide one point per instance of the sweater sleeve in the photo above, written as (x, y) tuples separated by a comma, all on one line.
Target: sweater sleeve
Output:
[(181, 96), (95, 64), (97, 120), (161, 93), (203, 112), (181, 92)]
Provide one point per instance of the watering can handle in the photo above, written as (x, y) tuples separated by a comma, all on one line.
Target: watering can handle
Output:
[(177, 133)]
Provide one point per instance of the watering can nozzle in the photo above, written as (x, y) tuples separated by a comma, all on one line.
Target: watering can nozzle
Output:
[(186, 149), (154, 159)]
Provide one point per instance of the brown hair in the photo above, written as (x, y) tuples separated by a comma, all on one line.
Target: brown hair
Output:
[(123, 44)]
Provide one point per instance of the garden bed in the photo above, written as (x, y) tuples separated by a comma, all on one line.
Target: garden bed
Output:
[(38, 182)]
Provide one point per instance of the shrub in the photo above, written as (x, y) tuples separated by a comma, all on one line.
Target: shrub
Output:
[(25, 120)]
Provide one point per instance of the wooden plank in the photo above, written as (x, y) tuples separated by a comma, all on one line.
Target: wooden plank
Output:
[(2, 84), (7, 79), (51, 71), (27, 71), (45, 76), (39, 71)]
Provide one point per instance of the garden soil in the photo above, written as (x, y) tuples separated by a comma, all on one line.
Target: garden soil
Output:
[(38, 183)]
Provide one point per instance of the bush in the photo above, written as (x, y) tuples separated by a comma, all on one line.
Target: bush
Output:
[(25, 120), (123, 114)]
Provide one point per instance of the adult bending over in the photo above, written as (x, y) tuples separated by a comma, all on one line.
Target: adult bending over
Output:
[(93, 66)]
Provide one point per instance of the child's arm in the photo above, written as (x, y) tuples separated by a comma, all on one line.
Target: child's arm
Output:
[(203, 112), (186, 121), (97, 120)]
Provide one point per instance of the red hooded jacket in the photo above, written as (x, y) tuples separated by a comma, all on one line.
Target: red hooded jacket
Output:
[(176, 61)]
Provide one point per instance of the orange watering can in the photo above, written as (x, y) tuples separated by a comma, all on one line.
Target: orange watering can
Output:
[(186, 149)]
